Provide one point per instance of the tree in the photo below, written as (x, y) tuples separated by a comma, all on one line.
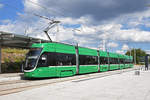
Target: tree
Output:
[(139, 54)]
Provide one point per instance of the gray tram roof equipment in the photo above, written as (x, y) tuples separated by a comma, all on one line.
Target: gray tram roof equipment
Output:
[(17, 41)]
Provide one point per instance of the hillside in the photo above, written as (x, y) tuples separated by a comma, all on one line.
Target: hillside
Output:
[(12, 59)]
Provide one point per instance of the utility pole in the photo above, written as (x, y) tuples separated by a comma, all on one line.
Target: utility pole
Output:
[(77, 59), (134, 56), (104, 45), (130, 51), (26, 34), (74, 31)]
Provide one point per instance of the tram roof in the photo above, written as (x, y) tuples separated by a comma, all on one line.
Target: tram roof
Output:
[(18, 41), (114, 55), (103, 54), (121, 56)]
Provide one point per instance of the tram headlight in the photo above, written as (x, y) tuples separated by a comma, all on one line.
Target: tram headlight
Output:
[(43, 58)]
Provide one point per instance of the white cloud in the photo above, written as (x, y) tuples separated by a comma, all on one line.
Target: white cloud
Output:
[(31, 5), (90, 34), (147, 51), (5, 21), (125, 47), (112, 45), (70, 20), (112, 30), (87, 35), (120, 52), (131, 35)]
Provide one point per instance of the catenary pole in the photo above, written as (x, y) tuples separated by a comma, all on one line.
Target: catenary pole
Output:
[(77, 59), (130, 51), (134, 56)]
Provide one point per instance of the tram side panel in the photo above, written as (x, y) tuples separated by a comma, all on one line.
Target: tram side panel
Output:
[(65, 57), (104, 61), (59, 60), (113, 61), (88, 60)]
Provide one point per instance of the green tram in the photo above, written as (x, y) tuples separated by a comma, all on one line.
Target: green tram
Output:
[(61, 60)]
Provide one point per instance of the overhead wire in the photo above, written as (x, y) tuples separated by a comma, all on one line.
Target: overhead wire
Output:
[(28, 12), (46, 8)]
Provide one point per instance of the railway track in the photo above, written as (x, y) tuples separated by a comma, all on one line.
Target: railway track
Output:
[(22, 85), (13, 82)]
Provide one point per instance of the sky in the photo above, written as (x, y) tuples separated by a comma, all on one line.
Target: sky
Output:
[(122, 24)]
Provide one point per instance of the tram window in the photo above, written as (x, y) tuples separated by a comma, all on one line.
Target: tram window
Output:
[(122, 61), (119, 61), (43, 60), (113, 61), (130, 61), (126, 61), (103, 60), (51, 59), (116, 61), (65, 59), (57, 59), (88, 60)]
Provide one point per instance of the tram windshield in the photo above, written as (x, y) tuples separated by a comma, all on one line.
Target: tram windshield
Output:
[(31, 58)]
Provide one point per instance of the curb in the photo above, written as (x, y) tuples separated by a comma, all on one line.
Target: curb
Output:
[(10, 78)]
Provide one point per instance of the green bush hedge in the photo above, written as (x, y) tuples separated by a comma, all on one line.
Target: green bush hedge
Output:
[(12, 59), (10, 67)]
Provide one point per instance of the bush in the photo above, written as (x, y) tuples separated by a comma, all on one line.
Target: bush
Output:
[(12, 59), (11, 67)]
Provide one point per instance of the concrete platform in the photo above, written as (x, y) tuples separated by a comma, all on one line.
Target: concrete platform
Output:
[(123, 86), (10, 76)]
